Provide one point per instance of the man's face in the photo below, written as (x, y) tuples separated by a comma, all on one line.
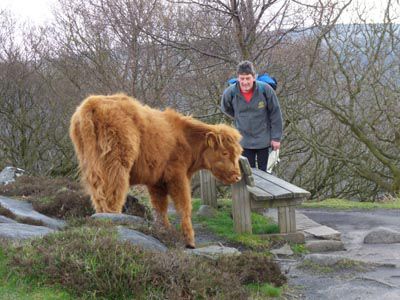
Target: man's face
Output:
[(246, 82)]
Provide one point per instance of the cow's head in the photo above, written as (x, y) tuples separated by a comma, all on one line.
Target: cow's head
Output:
[(223, 152)]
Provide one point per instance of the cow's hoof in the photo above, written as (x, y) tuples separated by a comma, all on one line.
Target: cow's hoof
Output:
[(190, 247)]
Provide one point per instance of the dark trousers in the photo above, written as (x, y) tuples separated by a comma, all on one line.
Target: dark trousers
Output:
[(260, 154)]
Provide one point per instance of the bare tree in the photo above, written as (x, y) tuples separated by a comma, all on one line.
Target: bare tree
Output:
[(29, 123), (351, 108)]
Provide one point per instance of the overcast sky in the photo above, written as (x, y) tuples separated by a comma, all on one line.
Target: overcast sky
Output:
[(39, 11)]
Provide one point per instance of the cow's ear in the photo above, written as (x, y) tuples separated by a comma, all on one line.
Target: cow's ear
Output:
[(212, 140)]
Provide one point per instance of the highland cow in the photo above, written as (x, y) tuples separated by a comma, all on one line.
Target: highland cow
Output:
[(119, 142)]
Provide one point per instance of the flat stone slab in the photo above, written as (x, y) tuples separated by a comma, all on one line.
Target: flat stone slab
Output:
[(206, 211), (119, 218), (284, 251), (382, 235), (17, 231), (302, 221), (293, 237), (315, 246), (324, 232), (214, 251), (310, 227), (140, 239), (4, 219), (24, 209), (328, 259)]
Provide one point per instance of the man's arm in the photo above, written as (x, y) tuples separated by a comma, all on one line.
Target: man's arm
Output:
[(226, 103)]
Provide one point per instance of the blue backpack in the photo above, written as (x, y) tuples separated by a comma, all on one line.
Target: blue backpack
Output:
[(262, 77)]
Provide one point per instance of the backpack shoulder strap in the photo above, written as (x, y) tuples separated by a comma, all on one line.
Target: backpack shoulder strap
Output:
[(262, 88), (232, 90)]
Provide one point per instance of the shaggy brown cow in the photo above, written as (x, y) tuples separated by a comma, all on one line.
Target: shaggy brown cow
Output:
[(120, 142)]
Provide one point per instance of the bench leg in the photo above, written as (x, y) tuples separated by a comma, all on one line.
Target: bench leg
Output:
[(241, 207), (287, 219), (208, 189)]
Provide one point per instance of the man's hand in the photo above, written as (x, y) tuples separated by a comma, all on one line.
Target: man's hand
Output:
[(275, 145)]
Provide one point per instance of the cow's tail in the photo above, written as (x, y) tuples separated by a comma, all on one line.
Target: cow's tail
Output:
[(105, 158)]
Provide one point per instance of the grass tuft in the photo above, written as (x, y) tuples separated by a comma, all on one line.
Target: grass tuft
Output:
[(90, 262), (343, 265), (63, 198), (299, 249), (344, 204), (263, 291), (222, 225), (56, 197), (12, 286)]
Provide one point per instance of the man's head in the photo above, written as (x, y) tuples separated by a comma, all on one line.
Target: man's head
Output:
[(246, 75)]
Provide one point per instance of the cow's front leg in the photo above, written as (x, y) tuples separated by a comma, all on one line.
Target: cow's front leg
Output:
[(179, 189), (159, 200)]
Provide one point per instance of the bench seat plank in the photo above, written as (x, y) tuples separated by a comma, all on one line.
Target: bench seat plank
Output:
[(259, 194), (295, 190), (275, 190)]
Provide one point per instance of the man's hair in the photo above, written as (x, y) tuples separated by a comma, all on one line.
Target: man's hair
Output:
[(245, 68)]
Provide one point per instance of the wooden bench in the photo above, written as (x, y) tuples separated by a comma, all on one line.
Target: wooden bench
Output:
[(257, 190)]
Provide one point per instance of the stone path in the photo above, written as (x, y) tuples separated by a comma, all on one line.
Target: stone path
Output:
[(381, 278), (356, 225), (319, 238)]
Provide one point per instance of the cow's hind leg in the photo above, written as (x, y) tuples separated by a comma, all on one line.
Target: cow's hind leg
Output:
[(180, 193), (159, 201), (108, 191)]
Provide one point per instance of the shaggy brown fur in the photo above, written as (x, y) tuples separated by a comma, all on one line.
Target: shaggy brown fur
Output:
[(120, 142)]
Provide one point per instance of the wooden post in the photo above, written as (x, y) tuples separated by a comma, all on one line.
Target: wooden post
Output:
[(287, 219), (241, 207), (208, 190), (292, 218)]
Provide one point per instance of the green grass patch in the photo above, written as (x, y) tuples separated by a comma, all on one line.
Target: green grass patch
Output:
[(263, 225), (222, 225), (13, 286), (264, 291), (299, 249), (343, 204)]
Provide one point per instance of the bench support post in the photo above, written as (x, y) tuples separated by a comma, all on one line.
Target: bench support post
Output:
[(241, 210), (208, 188), (287, 219)]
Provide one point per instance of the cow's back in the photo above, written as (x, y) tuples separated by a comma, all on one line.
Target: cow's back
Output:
[(158, 142), (141, 136)]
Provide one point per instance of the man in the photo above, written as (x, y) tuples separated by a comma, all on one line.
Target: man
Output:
[(255, 109)]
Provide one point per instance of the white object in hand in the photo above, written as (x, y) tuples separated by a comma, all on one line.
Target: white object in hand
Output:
[(273, 160)]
